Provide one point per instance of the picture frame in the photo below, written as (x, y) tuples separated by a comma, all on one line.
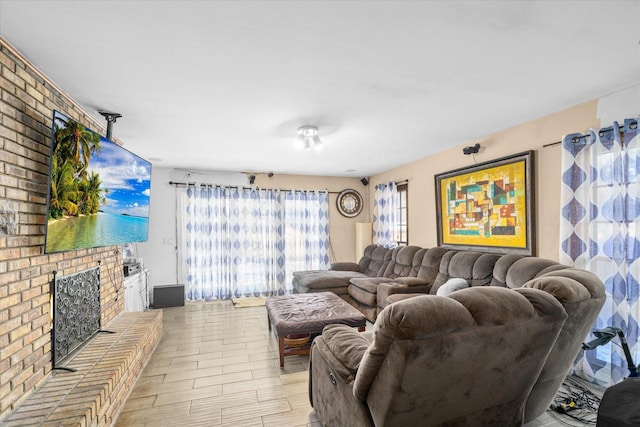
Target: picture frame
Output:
[(488, 207)]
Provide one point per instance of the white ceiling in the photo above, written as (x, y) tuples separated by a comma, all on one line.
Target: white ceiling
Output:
[(224, 85)]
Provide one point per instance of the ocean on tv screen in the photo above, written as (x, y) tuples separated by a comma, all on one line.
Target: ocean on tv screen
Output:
[(89, 231)]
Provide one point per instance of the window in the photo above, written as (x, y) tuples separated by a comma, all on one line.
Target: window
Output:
[(402, 225), (598, 232), (247, 242), (390, 225)]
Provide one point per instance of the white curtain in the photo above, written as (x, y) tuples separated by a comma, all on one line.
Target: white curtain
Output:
[(385, 212), (238, 242), (306, 225), (600, 220)]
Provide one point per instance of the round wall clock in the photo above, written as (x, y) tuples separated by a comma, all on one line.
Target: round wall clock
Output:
[(349, 203)]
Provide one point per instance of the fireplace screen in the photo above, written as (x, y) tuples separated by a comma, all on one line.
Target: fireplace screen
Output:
[(76, 311)]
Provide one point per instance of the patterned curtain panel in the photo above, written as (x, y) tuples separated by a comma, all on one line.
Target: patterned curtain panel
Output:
[(238, 242), (306, 237), (600, 222), (385, 211)]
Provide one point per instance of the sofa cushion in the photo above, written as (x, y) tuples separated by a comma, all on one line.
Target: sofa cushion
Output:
[(452, 285), (299, 274), (499, 309), (430, 264), (369, 284), (501, 267), (410, 281), (401, 261), (343, 266), (529, 268), (564, 289), (588, 280), (417, 262), (376, 261), (401, 297), (327, 279), (363, 263), (475, 267), (364, 290)]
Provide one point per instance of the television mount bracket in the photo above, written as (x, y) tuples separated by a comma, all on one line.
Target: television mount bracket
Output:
[(111, 119)]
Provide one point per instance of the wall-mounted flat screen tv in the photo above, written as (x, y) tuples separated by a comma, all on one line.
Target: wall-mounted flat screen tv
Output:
[(98, 191)]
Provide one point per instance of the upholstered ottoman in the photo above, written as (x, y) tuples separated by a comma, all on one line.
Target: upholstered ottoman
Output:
[(300, 314)]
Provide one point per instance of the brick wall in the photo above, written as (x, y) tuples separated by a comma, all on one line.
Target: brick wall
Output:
[(27, 101)]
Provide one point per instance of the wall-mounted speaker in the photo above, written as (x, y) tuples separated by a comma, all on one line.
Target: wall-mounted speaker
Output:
[(364, 181), (472, 149)]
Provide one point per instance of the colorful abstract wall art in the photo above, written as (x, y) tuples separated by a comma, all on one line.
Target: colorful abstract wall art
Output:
[(488, 206)]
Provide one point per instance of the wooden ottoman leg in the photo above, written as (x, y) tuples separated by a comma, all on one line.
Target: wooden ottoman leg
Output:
[(281, 349)]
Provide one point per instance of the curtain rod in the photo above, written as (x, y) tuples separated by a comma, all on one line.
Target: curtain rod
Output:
[(575, 139), (186, 184)]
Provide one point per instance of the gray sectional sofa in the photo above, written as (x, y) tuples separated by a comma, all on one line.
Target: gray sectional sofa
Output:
[(384, 277)]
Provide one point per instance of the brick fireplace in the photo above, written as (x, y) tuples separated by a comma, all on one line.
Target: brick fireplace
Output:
[(27, 100)]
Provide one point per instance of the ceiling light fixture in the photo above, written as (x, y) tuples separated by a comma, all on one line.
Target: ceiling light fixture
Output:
[(308, 138)]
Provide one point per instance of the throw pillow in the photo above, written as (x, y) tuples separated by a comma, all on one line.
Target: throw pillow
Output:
[(452, 285)]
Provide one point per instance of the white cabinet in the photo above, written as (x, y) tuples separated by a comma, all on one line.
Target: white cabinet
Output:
[(136, 291)]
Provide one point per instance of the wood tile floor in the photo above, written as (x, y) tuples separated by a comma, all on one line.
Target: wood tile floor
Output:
[(217, 365)]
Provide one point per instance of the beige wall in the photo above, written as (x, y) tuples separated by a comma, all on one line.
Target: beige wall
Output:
[(529, 136)]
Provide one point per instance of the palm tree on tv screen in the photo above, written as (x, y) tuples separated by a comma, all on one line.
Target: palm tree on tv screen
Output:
[(91, 194), (72, 192), (64, 189), (73, 141)]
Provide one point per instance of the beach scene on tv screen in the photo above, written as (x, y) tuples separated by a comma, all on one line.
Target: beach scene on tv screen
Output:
[(99, 192)]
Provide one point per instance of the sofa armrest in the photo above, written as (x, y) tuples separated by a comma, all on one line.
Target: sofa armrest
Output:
[(347, 345), (399, 297), (385, 290), (331, 385), (344, 266), (411, 281)]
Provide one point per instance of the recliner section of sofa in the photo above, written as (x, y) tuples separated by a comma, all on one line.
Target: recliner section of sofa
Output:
[(438, 266), (405, 269), (581, 294), (426, 267), (432, 360), (363, 290)]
